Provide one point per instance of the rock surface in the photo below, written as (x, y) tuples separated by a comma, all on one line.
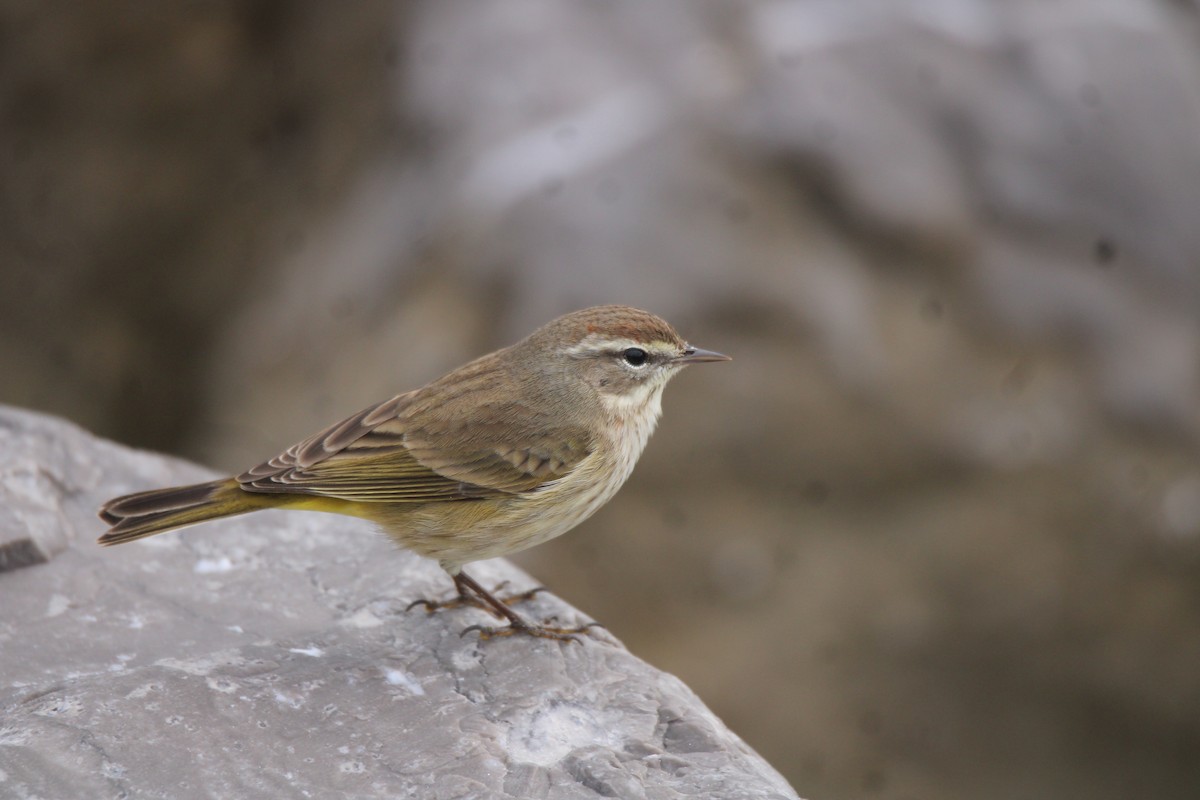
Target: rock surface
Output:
[(272, 655)]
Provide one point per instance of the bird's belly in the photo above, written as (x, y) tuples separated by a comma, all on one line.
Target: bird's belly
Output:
[(461, 532)]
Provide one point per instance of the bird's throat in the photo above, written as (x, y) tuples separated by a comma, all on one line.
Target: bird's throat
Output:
[(634, 415)]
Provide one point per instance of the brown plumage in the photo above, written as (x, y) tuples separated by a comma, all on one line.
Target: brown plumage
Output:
[(499, 455)]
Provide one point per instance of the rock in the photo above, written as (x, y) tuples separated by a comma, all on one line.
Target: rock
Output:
[(272, 655), (38, 465)]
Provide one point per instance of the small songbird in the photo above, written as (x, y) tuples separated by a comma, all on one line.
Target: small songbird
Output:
[(501, 454)]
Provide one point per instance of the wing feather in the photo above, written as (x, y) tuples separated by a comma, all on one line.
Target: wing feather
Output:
[(402, 451)]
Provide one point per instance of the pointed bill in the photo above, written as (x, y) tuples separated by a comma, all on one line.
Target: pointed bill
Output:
[(694, 355)]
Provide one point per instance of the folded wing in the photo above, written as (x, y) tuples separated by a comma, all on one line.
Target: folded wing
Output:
[(399, 451)]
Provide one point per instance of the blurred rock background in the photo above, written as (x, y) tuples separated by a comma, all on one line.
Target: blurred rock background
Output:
[(935, 533)]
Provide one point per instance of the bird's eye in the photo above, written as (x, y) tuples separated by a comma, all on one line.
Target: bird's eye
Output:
[(634, 356)]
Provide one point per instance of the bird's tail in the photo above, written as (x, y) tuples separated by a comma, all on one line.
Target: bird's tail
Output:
[(147, 513)]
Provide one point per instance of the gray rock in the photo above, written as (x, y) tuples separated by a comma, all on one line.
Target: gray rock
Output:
[(272, 656)]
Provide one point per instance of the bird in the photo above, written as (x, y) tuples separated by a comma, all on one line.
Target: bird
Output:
[(497, 456)]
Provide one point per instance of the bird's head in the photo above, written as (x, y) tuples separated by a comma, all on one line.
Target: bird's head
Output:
[(625, 354)]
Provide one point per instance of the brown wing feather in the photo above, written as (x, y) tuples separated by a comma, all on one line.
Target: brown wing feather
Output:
[(362, 458), (404, 451), (460, 428), (502, 457)]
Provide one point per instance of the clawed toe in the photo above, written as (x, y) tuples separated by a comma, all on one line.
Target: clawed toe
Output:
[(464, 600), (438, 605), (513, 599), (540, 631), (430, 606)]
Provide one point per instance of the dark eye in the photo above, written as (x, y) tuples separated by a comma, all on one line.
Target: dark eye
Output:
[(634, 356)]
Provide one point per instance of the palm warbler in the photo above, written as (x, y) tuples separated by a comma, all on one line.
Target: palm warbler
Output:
[(501, 454)]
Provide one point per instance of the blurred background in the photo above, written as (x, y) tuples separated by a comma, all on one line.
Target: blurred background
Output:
[(935, 533)]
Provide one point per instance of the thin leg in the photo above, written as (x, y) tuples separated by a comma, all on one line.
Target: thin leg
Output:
[(465, 583)]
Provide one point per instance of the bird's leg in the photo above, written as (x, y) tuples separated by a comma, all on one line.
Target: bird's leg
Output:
[(516, 623), (465, 597), (469, 597)]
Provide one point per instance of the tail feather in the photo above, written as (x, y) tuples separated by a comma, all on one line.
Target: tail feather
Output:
[(147, 513)]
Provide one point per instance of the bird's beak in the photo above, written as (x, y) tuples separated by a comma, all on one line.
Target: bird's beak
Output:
[(694, 355)]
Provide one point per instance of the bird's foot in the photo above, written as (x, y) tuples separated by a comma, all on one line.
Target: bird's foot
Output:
[(460, 601), (470, 592), (538, 630), (465, 599)]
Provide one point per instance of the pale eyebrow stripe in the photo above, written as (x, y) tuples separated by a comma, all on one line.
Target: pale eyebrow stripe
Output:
[(594, 345)]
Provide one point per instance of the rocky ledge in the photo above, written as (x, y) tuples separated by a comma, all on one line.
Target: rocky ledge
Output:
[(272, 656)]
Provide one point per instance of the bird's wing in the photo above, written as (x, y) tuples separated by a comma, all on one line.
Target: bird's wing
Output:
[(394, 452)]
